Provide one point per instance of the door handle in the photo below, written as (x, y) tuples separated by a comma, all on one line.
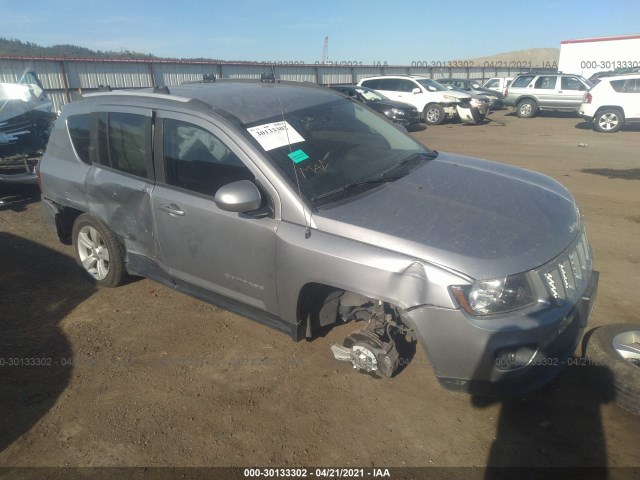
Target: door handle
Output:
[(173, 210)]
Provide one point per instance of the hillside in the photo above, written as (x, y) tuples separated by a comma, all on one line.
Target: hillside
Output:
[(18, 48), (532, 58)]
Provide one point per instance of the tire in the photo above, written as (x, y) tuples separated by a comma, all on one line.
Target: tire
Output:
[(98, 252), (433, 114), (527, 108), (608, 120), (603, 352)]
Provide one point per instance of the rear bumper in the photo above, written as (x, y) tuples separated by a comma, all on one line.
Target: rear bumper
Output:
[(20, 178), (469, 355)]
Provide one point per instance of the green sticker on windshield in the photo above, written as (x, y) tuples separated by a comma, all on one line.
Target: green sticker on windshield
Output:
[(298, 156)]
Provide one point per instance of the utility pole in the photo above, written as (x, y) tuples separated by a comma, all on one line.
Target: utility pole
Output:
[(325, 51)]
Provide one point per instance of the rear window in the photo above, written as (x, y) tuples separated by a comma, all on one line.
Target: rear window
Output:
[(80, 132), (522, 81)]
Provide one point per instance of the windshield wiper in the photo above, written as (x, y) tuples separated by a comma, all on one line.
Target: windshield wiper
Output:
[(352, 186), (407, 160), (379, 179)]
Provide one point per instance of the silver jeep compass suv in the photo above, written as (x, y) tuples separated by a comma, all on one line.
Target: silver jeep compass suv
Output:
[(300, 208)]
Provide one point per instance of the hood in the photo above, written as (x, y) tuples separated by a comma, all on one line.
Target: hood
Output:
[(480, 218), (381, 105), (455, 93)]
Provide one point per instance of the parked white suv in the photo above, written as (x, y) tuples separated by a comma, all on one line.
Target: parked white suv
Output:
[(612, 102), (436, 102), (499, 84)]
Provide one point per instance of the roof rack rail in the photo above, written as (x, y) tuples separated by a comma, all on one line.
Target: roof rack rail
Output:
[(164, 89), (104, 88)]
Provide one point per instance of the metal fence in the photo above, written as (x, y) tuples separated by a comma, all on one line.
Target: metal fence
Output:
[(65, 79)]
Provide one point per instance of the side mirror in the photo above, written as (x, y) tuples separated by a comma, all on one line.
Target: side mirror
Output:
[(431, 89), (416, 90), (449, 87), (241, 196)]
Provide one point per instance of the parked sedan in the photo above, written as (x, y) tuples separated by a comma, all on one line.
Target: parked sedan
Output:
[(474, 88), (398, 112)]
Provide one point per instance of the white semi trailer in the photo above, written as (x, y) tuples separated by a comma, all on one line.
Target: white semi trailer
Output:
[(587, 56)]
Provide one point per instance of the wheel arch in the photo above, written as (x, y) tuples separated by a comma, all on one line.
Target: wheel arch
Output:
[(610, 107), (527, 97)]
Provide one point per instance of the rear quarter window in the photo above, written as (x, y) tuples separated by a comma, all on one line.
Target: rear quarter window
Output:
[(618, 85), (80, 132)]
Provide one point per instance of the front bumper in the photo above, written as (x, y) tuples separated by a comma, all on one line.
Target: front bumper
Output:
[(467, 354)]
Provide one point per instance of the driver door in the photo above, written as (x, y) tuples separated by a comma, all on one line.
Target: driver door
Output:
[(205, 249)]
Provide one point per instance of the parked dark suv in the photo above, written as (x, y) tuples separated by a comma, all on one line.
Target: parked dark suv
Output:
[(300, 208)]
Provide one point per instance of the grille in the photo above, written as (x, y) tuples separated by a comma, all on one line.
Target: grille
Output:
[(568, 276)]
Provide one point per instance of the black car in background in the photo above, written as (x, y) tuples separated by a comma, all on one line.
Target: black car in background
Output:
[(398, 112)]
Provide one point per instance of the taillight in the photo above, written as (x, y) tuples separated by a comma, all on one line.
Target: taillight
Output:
[(588, 98), (506, 92), (38, 174)]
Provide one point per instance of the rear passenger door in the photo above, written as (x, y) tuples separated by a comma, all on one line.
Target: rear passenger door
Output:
[(630, 98), (545, 91), (207, 250), (119, 183), (571, 93)]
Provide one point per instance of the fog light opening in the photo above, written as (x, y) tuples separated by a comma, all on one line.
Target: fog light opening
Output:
[(514, 357)]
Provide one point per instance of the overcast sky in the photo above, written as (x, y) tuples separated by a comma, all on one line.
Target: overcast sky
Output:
[(398, 32)]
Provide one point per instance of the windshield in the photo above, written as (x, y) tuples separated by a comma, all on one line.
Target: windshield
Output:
[(370, 95), (475, 85), (333, 145), (427, 82)]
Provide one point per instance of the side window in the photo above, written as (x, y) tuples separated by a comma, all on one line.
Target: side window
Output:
[(522, 81), (546, 82), (197, 160), (389, 84), (406, 86), (374, 84), (572, 83), (79, 127), (632, 86), (122, 142)]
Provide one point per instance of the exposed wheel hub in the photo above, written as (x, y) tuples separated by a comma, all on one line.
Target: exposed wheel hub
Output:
[(368, 353)]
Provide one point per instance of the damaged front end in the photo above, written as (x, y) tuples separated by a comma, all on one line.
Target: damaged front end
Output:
[(372, 349), (26, 120), (473, 110)]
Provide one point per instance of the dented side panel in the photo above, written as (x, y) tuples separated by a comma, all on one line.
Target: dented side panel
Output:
[(357, 267), (123, 202)]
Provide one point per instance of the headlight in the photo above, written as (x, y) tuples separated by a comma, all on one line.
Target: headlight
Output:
[(488, 297), (397, 111), (451, 98)]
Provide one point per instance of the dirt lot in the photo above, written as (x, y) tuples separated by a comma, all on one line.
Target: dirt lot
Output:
[(145, 376)]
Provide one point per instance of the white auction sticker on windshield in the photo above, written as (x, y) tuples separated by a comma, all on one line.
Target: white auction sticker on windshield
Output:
[(275, 135)]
